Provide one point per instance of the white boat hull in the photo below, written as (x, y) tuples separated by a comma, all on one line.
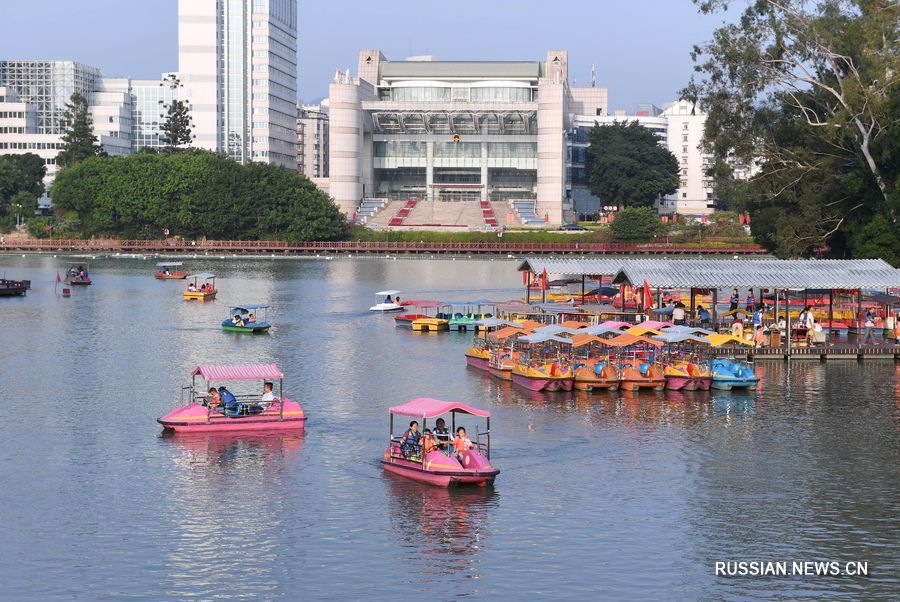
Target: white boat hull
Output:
[(386, 307)]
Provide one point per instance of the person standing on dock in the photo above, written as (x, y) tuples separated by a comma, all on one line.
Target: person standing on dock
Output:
[(735, 300), (750, 301), (867, 328)]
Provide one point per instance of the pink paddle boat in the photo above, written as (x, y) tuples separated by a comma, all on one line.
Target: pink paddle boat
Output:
[(435, 461), (225, 411)]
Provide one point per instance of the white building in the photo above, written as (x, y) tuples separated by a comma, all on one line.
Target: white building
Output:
[(237, 60), (695, 195), (312, 140), (459, 135), (19, 131)]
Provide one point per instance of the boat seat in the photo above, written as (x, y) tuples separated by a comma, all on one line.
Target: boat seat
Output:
[(598, 368), (645, 368)]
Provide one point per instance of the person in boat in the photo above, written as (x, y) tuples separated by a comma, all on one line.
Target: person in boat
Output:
[(268, 394), (192, 288), (429, 443), (388, 299), (397, 299), (461, 444), (251, 318), (213, 400), (441, 434), (409, 443), (237, 320), (703, 316), (229, 401), (81, 273), (166, 270)]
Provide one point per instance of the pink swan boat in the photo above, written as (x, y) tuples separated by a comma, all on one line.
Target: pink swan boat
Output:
[(437, 467), (252, 412)]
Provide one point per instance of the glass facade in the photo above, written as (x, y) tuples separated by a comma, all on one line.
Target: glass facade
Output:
[(458, 94), (150, 103), (48, 86)]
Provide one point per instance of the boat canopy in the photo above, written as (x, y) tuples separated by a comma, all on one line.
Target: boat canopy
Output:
[(616, 324), (494, 322), (717, 339), (249, 306), (626, 339), (642, 330), (239, 372), (541, 337), (508, 331), (664, 311), (580, 340), (689, 329), (379, 293), (655, 324), (556, 329), (169, 264), (680, 337), (205, 275), (424, 407), (599, 329)]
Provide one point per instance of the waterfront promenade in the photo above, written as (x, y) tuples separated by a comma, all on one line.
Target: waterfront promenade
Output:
[(360, 247)]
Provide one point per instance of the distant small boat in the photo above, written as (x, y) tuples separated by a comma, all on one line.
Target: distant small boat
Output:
[(242, 319), (389, 304), (166, 274), (406, 320), (204, 292), (11, 288), (77, 274), (728, 374)]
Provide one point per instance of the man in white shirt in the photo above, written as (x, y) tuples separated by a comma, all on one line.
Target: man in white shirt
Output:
[(268, 395), (678, 314)]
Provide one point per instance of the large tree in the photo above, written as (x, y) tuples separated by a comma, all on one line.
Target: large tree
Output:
[(627, 166), (805, 94), (21, 183), (176, 128), (79, 141)]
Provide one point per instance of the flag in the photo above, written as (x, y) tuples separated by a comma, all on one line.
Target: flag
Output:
[(544, 280), (648, 296), (58, 279)]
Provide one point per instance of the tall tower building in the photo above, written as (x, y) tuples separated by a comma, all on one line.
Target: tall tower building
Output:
[(237, 61)]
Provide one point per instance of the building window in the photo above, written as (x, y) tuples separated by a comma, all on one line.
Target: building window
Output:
[(684, 138), (684, 149), (684, 195), (684, 126), (684, 172)]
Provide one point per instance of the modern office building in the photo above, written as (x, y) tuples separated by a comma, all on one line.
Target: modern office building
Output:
[(147, 102), (47, 86), (237, 60), (19, 131), (455, 131), (312, 140)]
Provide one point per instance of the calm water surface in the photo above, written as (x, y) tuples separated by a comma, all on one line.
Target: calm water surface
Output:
[(614, 496)]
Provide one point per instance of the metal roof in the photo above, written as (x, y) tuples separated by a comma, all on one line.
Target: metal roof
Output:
[(461, 69), (798, 274)]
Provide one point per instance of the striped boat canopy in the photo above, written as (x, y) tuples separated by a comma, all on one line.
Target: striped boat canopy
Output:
[(238, 372)]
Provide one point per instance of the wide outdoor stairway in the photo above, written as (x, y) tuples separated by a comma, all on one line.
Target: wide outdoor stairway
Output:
[(369, 208), (443, 215), (524, 209)]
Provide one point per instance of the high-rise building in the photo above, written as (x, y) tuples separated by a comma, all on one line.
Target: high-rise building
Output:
[(695, 194), (237, 60), (312, 140)]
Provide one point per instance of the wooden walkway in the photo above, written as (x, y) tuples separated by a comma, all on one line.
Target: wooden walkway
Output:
[(369, 248), (816, 353)]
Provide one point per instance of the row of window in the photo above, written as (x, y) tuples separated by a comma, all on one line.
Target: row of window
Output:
[(12, 130), (433, 94), (11, 114), (471, 150), (31, 145)]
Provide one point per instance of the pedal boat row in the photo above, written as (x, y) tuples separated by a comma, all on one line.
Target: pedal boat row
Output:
[(609, 356)]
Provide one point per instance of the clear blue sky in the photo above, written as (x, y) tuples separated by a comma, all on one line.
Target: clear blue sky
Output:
[(640, 47)]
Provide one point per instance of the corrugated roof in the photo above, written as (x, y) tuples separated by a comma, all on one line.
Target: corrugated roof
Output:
[(461, 69), (729, 273)]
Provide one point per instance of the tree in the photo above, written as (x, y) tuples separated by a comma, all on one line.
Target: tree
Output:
[(635, 224), (807, 91), (193, 193), (177, 126), (79, 141), (626, 165), (21, 183)]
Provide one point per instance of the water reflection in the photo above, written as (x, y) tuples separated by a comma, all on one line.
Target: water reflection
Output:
[(442, 530), (226, 511)]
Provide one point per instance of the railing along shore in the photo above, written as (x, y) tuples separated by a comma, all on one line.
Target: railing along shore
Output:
[(272, 246)]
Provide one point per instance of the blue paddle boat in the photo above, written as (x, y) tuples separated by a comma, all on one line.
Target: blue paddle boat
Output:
[(728, 374)]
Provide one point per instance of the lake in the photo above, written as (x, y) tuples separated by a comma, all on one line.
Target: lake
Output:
[(616, 496)]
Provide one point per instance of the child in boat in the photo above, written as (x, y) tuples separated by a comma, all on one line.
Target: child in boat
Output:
[(429, 444), (409, 444), (214, 400), (237, 320), (461, 444), (251, 319)]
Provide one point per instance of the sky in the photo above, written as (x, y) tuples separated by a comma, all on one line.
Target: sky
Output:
[(641, 48)]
